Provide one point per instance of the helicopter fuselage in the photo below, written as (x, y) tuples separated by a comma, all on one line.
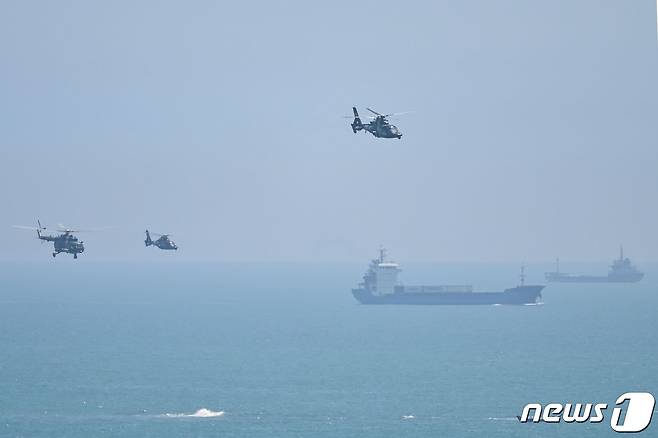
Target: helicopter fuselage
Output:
[(381, 128), (165, 243), (66, 243)]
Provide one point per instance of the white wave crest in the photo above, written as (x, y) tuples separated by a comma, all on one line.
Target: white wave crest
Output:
[(201, 413), (408, 417)]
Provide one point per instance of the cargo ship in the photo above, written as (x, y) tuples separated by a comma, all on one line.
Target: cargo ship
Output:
[(621, 271), (380, 286)]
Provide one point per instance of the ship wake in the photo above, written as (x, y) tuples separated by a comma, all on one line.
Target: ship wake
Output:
[(201, 413)]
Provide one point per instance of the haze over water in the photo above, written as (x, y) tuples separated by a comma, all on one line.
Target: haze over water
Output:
[(284, 350), (533, 134)]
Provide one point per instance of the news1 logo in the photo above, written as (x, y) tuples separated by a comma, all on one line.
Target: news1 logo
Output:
[(634, 417)]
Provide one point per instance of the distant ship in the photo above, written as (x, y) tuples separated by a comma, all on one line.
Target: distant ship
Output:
[(621, 271), (380, 286)]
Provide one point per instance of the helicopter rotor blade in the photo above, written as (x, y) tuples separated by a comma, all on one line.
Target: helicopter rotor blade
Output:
[(64, 229), (399, 114), (388, 115), (25, 227)]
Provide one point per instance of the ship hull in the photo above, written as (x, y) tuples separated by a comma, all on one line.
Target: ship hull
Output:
[(518, 295)]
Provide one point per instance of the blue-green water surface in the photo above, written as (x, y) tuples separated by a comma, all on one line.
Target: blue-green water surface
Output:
[(126, 350)]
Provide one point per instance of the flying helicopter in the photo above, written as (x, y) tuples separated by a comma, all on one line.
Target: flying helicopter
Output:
[(163, 242), (380, 127), (65, 242)]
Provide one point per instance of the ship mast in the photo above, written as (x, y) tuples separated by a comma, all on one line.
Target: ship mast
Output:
[(382, 254), (522, 275)]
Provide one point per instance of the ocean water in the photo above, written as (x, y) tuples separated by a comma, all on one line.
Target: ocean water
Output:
[(263, 350)]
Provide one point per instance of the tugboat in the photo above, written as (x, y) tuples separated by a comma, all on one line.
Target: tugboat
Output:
[(380, 286), (621, 271)]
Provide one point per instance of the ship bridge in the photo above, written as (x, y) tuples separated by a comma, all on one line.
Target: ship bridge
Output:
[(387, 277)]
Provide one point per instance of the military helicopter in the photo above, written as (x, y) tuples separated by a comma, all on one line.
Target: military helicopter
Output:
[(163, 242), (379, 127), (65, 242)]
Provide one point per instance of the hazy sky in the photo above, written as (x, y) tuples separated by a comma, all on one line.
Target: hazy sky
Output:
[(221, 122)]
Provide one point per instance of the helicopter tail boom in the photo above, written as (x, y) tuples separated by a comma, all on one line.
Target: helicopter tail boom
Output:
[(356, 125), (148, 241), (41, 228)]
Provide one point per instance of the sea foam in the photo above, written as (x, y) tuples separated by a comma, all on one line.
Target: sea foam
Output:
[(201, 413)]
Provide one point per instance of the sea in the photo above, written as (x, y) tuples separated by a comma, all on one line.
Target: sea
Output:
[(92, 349)]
